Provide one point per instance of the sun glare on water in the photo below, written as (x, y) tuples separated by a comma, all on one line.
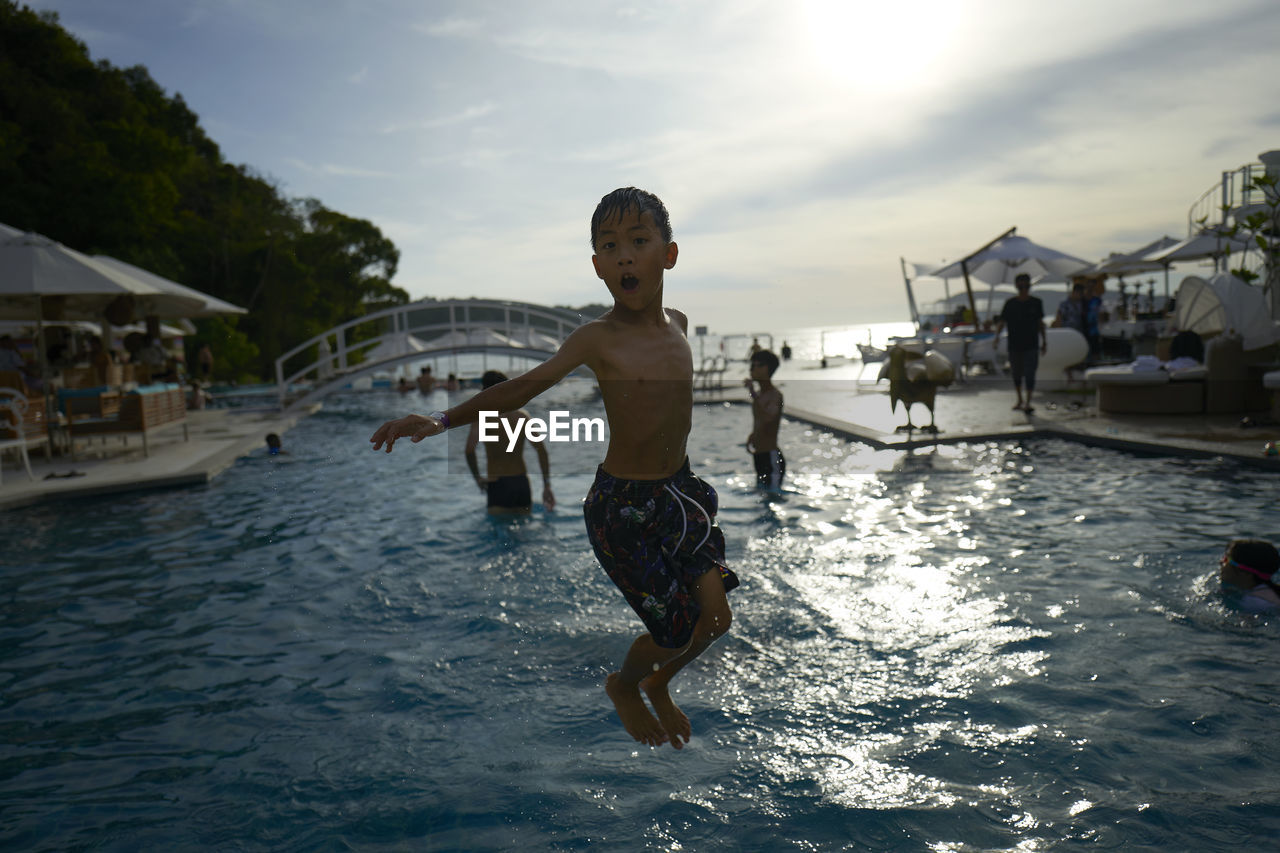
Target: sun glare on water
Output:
[(883, 47)]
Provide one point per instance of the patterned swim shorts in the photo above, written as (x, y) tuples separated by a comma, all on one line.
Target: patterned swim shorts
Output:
[(654, 538)]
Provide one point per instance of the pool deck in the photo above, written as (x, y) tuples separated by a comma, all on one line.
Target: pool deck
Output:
[(218, 437), (845, 399)]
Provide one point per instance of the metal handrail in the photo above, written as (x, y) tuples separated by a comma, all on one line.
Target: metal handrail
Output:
[(398, 320), (1235, 190)]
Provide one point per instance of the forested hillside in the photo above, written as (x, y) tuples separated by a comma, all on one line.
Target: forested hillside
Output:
[(104, 160)]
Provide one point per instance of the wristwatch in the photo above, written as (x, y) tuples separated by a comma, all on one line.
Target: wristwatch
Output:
[(441, 417)]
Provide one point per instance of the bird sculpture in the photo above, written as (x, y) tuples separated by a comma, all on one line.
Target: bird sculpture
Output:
[(916, 378)]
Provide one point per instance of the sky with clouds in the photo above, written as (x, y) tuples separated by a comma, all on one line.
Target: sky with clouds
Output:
[(802, 146)]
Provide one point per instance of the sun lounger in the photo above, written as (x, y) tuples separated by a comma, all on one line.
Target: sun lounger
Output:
[(1122, 390), (147, 410), (1271, 382), (1221, 386)]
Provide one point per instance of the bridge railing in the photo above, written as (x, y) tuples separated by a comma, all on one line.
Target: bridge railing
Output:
[(437, 325)]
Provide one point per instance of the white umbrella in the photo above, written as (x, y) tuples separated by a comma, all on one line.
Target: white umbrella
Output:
[(1207, 244), (39, 276), (476, 337), (212, 305), (401, 343), (42, 278), (1009, 256), (1198, 247), (1124, 263)]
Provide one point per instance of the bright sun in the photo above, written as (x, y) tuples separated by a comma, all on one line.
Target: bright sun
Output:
[(883, 46)]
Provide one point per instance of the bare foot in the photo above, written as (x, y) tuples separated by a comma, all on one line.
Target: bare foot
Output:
[(636, 719), (671, 717)]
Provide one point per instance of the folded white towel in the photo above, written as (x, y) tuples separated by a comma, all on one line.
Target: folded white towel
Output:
[(1180, 363), (1146, 364)]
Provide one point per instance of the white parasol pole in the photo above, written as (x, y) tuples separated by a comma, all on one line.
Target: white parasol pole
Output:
[(42, 358), (911, 299), (964, 267)]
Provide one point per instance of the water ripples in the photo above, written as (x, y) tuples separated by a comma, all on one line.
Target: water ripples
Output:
[(977, 647)]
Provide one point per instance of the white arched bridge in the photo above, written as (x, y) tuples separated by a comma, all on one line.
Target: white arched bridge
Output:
[(392, 337)]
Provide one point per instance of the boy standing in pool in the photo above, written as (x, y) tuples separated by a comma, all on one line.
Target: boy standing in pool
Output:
[(766, 416), (651, 522), (506, 483)]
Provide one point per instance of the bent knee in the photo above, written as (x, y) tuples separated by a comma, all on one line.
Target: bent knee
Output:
[(713, 624)]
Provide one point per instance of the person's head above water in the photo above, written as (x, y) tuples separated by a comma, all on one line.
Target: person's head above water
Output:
[(491, 378), (1249, 562), (273, 443), (625, 200), (766, 359)]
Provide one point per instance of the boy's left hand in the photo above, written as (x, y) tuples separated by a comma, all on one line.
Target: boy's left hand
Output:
[(548, 499)]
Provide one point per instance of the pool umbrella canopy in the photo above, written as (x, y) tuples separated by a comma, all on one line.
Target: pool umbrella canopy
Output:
[(1207, 244), (212, 305), (1198, 247), (476, 337), (1009, 256), (1005, 258), (394, 346), (1225, 303), (1125, 263), (41, 278)]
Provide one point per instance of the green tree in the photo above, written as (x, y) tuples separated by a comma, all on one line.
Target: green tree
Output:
[(102, 159)]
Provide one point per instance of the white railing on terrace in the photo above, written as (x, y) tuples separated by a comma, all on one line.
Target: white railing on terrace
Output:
[(1235, 191), (420, 330)]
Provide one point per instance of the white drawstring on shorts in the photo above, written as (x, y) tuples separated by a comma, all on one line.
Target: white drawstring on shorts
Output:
[(684, 518)]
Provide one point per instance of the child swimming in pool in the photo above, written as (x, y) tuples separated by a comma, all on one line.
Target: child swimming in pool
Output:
[(650, 521), (1250, 565)]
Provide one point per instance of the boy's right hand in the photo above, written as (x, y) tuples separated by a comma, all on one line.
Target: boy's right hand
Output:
[(414, 427)]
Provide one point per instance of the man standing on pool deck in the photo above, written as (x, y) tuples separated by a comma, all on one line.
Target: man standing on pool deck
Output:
[(649, 519), (1024, 314)]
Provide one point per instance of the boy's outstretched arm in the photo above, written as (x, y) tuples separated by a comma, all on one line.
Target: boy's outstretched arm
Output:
[(503, 397)]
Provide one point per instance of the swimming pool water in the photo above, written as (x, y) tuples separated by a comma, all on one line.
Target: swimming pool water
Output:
[(986, 647)]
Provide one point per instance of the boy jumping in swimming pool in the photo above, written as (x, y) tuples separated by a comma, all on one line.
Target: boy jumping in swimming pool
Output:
[(651, 522)]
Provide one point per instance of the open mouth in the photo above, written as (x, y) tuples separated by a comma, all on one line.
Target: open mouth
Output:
[(629, 283)]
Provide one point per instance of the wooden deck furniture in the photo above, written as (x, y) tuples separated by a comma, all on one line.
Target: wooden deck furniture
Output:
[(143, 412)]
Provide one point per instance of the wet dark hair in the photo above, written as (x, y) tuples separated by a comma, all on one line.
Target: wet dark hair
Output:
[(491, 378), (1257, 554), (620, 201), (767, 358), (273, 440)]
